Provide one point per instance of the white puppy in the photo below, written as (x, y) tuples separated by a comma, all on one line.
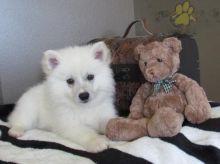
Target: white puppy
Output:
[(76, 99)]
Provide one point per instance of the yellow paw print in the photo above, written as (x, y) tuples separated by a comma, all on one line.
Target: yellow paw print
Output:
[(183, 14)]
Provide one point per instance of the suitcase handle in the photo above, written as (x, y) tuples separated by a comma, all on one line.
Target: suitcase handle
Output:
[(143, 23)]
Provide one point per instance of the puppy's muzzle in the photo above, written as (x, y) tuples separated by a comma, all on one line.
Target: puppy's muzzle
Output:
[(84, 96)]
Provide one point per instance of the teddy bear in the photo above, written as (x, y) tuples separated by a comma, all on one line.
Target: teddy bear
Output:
[(165, 99)]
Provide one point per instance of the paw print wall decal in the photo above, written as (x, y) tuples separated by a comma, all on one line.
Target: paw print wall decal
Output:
[(183, 14)]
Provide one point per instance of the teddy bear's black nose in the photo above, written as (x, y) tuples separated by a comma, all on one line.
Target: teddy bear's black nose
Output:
[(84, 96)]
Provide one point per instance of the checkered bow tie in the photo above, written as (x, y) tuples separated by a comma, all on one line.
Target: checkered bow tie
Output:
[(167, 85)]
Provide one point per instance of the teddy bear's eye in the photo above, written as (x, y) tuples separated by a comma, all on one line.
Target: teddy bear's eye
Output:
[(70, 81), (145, 63), (159, 60)]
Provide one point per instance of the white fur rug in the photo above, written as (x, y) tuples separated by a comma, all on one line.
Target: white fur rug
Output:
[(194, 144)]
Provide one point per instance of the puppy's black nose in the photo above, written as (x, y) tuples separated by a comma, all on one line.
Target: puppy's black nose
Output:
[(84, 96)]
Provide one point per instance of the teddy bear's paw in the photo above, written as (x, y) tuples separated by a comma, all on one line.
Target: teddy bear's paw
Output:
[(119, 129), (197, 114), (97, 144), (125, 129), (112, 130)]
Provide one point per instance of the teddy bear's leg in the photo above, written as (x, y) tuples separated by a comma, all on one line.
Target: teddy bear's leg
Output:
[(165, 123), (125, 129)]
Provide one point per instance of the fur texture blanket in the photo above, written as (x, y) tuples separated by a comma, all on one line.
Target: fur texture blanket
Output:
[(194, 144)]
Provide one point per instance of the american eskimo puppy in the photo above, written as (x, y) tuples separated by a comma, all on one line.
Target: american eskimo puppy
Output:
[(75, 100)]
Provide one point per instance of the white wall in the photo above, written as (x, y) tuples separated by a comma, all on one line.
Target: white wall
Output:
[(29, 27)]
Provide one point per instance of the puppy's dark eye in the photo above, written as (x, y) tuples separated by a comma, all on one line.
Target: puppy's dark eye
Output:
[(70, 81), (145, 63), (159, 60), (90, 77)]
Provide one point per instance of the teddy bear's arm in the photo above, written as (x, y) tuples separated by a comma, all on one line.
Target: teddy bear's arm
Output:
[(184, 83), (198, 108), (188, 86), (137, 104)]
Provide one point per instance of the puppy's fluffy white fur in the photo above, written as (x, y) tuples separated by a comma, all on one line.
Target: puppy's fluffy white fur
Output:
[(56, 104)]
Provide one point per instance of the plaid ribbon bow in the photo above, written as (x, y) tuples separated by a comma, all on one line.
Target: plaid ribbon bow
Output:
[(167, 85)]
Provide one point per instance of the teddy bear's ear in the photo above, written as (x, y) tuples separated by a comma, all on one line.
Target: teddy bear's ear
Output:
[(173, 43), (138, 50)]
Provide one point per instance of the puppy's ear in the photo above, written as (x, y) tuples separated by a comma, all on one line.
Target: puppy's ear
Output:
[(173, 43), (101, 52), (138, 50), (50, 61)]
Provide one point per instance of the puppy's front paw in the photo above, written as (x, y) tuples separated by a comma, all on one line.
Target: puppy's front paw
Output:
[(97, 144), (16, 132)]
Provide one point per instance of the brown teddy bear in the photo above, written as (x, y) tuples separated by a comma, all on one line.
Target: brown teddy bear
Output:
[(160, 104)]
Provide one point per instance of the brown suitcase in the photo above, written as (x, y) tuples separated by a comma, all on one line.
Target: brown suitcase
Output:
[(126, 70)]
